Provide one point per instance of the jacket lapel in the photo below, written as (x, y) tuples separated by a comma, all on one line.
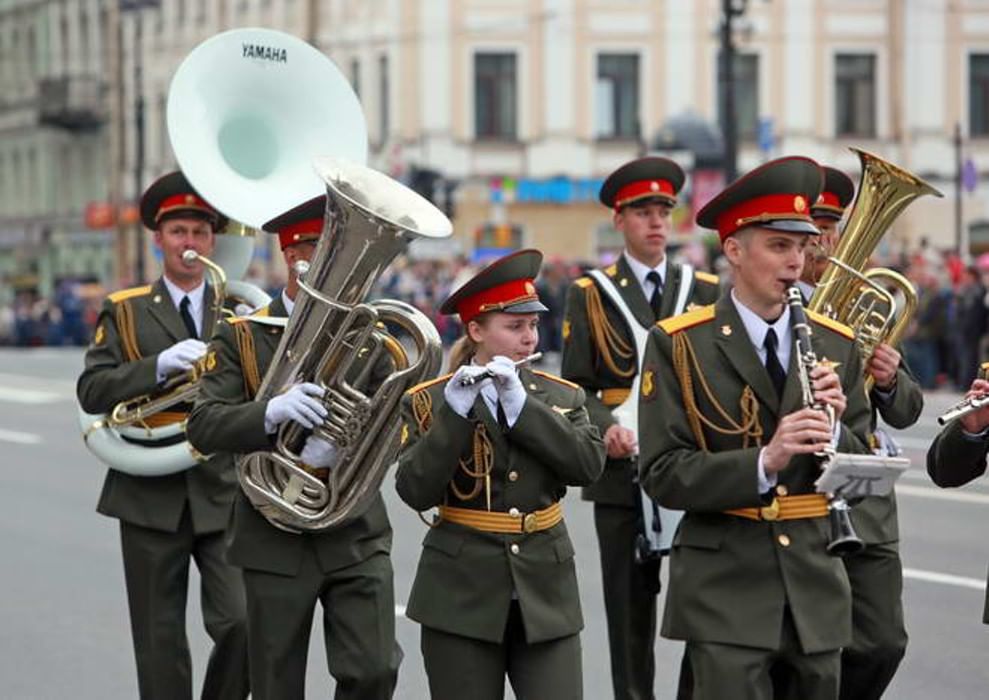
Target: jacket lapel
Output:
[(733, 341), (671, 285), (631, 291), (164, 312)]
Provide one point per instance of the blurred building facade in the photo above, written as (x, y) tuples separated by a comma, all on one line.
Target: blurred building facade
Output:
[(509, 111)]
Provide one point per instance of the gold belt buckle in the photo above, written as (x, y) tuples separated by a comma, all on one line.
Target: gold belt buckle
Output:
[(770, 512), (529, 523)]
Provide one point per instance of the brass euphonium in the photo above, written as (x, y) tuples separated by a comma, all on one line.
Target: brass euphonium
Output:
[(335, 339), (848, 292)]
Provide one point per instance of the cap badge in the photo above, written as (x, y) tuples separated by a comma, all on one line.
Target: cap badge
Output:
[(654, 186), (799, 204), (530, 288), (189, 199)]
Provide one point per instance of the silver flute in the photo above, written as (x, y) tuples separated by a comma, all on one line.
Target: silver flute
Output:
[(963, 408), (468, 380)]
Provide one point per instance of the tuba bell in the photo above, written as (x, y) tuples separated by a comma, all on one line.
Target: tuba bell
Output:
[(848, 292), (335, 339)]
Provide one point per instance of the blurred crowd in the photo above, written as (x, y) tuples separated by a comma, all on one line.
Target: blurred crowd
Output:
[(944, 343)]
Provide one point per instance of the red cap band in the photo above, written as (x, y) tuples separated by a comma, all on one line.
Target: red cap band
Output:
[(306, 230), (642, 189), (829, 201), (178, 202), (770, 207), (497, 298)]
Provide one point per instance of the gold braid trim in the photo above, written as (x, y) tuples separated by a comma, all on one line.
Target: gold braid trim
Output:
[(128, 333), (607, 339), (248, 359), (684, 359), (422, 410), (482, 461)]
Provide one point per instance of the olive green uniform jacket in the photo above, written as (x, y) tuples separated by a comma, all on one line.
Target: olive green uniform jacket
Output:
[(226, 419), (585, 351), (954, 459), (730, 577), (466, 578), (133, 327)]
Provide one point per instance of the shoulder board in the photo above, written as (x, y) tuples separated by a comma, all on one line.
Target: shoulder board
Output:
[(584, 282), (706, 277), (611, 270), (837, 326), (675, 324), (554, 378), (125, 294), (425, 385)]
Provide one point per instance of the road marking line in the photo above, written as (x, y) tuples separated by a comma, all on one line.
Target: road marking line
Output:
[(31, 396), (913, 443), (946, 579), (941, 494), (18, 437)]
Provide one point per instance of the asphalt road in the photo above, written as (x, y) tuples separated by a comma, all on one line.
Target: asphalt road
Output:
[(64, 631)]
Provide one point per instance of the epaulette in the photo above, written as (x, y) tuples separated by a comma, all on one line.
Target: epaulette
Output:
[(675, 324), (124, 294), (584, 282), (706, 277), (554, 378), (837, 326), (425, 385)]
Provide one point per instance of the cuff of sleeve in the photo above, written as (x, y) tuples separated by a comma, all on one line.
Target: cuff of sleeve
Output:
[(766, 482), (976, 437)]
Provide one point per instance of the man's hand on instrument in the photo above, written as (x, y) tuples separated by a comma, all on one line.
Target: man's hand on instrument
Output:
[(827, 388), (179, 357), (883, 365), (459, 397), (802, 432), (319, 453), (620, 442), (511, 393), (976, 421), (300, 404)]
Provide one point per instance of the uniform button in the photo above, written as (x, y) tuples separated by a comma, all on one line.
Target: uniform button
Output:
[(514, 512), (782, 490), (783, 540), (513, 475), (514, 548), (533, 387)]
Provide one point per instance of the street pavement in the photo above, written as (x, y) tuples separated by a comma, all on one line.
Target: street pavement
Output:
[(64, 630)]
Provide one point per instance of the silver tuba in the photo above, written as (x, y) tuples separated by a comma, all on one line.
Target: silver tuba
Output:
[(335, 339)]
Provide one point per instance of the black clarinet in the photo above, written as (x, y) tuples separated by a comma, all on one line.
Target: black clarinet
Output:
[(843, 539)]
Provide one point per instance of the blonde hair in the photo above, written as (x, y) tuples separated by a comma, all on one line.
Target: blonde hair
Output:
[(465, 347)]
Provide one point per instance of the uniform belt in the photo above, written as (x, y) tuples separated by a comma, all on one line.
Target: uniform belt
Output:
[(614, 397), (162, 418), (809, 505), (513, 522)]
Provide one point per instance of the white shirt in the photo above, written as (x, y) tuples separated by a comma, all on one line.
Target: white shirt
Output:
[(641, 270), (289, 303), (757, 328), (195, 301)]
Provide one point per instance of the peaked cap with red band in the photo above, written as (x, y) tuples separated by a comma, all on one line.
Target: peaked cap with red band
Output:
[(837, 195), (299, 224), (777, 195), (508, 284), (641, 181), (172, 195)]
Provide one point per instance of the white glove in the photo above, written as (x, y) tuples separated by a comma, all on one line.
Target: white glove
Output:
[(299, 403), (179, 357), (461, 398), (318, 453), (511, 393)]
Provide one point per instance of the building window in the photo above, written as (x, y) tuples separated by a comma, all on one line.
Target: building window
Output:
[(383, 95), (746, 93), (495, 96), (978, 94), (617, 96), (855, 95), (355, 76)]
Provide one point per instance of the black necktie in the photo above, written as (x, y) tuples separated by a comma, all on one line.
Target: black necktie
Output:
[(502, 418), (656, 300), (190, 325), (776, 372)]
